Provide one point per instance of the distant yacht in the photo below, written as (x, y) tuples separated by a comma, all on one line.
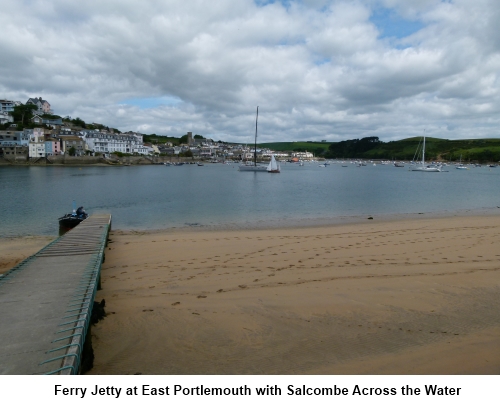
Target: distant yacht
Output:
[(423, 167), (461, 166), (253, 167)]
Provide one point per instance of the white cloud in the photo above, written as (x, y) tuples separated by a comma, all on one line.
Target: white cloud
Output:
[(318, 69)]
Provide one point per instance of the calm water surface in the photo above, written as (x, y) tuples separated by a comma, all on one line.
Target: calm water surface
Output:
[(157, 197)]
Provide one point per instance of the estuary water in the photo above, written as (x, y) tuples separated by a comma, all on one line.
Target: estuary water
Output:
[(218, 195)]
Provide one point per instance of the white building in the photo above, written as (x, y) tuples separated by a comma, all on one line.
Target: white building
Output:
[(5, 117), (37, 144), (303, 155), (105, 142), (7, 105)]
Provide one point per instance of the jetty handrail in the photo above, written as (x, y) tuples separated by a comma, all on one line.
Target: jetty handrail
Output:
[(85, 294), (68, 300)]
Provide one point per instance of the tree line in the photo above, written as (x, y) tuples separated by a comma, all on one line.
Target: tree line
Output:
[(479, 150)]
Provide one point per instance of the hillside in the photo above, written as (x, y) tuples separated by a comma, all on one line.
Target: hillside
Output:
[(480, 150)]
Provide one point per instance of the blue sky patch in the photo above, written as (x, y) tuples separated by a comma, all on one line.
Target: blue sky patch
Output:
[(262, 3), (391, 25), (152, 102)]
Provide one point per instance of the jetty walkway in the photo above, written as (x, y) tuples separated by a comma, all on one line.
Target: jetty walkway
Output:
[(46, 302)]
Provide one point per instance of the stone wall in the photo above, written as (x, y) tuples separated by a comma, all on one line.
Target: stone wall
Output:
[(93, 160)]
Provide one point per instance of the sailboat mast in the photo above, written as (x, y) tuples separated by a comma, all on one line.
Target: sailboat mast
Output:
[(423, 153), (255, 146)]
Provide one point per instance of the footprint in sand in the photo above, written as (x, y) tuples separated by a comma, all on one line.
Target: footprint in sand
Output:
[(201, 296), (176, 303)]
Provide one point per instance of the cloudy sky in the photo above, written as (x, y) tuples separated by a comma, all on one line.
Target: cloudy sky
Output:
[(317, 69)]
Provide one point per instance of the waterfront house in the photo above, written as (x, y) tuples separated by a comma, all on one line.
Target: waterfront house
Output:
[(10, 137), (105, 142), (166, 150), (70, 141), (37, 144), (52, 147), (10, 143), (26, 134)]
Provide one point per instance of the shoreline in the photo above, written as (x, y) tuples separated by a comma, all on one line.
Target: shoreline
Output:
[(296, 223), (289, 223)]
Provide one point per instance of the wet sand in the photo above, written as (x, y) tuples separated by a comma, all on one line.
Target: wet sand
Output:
[(393, 297)]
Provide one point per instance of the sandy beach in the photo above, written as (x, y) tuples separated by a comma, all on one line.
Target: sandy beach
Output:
[(15, 250), (393, 297), (403, 296)]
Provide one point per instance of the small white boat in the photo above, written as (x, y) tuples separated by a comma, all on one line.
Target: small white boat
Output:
[(273, 167)]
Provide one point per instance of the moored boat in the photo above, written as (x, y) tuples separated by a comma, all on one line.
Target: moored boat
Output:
[(253, 167), (423, 167), (74, 218), (274, 166)]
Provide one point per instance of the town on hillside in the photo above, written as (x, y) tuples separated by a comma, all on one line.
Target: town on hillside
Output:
[(31, 132)]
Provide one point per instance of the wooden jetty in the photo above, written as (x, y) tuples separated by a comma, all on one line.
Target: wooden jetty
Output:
[(46, 302)]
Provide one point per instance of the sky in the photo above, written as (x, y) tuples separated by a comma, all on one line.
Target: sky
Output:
[(318, 69)]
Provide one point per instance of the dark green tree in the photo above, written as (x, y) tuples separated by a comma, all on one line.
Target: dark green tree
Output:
[(78, 122), (24, 112), (352, 148)]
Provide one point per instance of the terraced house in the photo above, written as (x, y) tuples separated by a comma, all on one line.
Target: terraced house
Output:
[(75, 142), (106, 142)]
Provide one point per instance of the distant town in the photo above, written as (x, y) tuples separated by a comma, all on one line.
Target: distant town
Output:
[(31, 132)]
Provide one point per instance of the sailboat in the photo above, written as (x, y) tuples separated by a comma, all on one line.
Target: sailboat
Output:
[(254, 167), (273, 166), (425, 168), (461, 166)]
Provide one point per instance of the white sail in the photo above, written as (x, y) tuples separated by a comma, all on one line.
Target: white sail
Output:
[(273, 166)]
